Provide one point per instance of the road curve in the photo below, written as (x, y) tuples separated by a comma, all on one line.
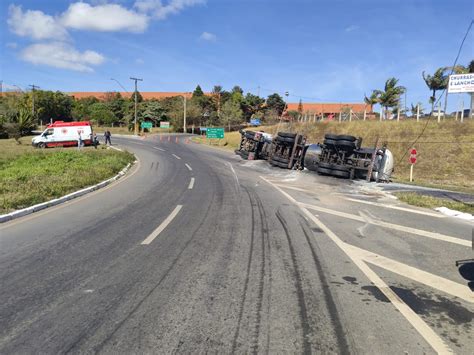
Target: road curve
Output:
[(194, 252)]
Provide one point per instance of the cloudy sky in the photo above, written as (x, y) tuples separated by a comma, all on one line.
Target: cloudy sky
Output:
[(325, 50)]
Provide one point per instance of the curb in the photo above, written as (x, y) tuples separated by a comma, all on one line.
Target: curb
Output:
[(41, 206)]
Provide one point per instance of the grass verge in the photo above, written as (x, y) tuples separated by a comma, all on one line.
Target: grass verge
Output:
[(29, 176), (415, 199)]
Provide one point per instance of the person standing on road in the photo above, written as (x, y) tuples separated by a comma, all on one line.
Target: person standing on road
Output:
[(107, 137)]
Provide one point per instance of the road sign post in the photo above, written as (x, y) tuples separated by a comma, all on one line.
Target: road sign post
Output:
[(413, 153)]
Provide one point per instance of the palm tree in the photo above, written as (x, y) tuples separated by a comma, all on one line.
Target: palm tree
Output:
[(390, 97), (437, 81)]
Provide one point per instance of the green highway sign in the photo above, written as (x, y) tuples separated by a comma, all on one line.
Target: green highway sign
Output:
[(147, 125), (215, 133), (164, 124)]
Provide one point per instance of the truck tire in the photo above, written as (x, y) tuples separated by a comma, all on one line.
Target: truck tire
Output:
[(324, 171), (281, 159), (340, 168), (41, 145), (286, 140), (330, 142), (331, 136), (344, 137), (341, 174), (244, 154), (286, 134), (345, 145), (324, 165)]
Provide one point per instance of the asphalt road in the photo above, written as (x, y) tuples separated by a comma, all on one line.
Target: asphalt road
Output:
[(198, 251)]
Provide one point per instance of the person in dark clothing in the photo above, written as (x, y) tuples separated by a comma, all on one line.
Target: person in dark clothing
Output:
[(107, 136), (95, 140)]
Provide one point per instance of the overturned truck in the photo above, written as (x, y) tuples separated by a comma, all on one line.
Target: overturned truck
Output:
[(339, 155)]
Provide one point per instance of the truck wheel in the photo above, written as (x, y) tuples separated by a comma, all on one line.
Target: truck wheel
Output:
[(346, 138), (324, 165), (341, 174), (331, 136), (340, 168), (281, 160), (244, 154), (345, 145), (324, 171), (330, 142), (41, 145), (286, 134), (286, 140)]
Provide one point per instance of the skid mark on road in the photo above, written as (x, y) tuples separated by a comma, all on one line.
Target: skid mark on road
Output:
[(414, 319)]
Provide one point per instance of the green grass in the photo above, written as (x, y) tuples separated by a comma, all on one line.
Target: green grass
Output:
[(125, 131), (29, 176), (415, 199)]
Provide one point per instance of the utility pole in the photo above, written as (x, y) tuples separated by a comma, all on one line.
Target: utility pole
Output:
[(136, 101), (184, 114), (33, 87)]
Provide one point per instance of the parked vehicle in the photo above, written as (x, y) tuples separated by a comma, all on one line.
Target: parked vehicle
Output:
[(64, 134)]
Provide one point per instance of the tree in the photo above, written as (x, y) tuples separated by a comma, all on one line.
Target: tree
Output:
[(101, 114), (276, 102), (231, 113), (390, 97), (116, 104), (139, 97), (198, 92), (153, 111), (22, 124), (237, 89), (470, 66), (300, 108), (216, 95), (251, 105), (437, 81)]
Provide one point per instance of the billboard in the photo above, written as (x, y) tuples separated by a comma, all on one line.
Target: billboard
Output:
[(461, 83)]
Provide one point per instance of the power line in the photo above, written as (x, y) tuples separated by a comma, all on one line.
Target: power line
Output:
[(439, 98)]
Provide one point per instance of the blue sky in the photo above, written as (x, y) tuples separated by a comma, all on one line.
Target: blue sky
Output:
[(321, 51)]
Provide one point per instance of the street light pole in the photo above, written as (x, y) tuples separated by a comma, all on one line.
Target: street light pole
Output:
[(136, 98)]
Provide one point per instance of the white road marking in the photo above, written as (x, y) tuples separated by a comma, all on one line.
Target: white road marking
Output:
[(420, 232), (162, 226), (176, 156), (191, 184), (189, 167), (424, 277), (295, 188), (426, 213), (160, 149), (425, 331)]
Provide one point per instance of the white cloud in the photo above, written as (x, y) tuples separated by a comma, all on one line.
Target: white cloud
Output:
[(351, 28), (160, 11), (34, 24), (106, 17), (139, 61), (207, 36), (12, 45), (61, 55)]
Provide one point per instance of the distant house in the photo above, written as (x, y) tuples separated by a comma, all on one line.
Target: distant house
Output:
[(147, 95)]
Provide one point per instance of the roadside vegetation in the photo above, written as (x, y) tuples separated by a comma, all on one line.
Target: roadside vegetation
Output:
[(29, 176), (415, 199)]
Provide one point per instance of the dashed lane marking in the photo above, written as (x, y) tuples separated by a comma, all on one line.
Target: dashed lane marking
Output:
[(189, 167), (160, 149), (191, 184), (176, 156), (162, 226)]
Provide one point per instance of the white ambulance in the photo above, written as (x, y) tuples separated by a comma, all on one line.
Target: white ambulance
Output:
[(64, 134)]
